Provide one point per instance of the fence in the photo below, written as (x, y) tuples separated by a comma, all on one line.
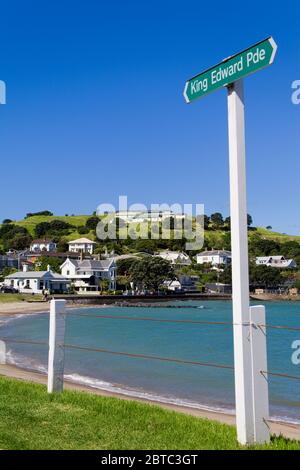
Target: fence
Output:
[(258, 409)]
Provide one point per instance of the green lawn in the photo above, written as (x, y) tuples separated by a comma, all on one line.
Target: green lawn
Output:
[(31, 419), (31, 222), (6, 298)]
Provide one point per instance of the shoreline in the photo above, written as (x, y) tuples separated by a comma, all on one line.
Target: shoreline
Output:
[(27, 307), (288, 430)]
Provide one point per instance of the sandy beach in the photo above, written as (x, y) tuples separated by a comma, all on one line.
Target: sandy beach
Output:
[(11, 308), (17, 308), (290, 431)]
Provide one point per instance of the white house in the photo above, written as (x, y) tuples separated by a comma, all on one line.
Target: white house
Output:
[(147, 216), (34, 282), (175, 257), (182, 284), (276, 261), (214, 257), (42, 245), (82, 245), (85, 275)]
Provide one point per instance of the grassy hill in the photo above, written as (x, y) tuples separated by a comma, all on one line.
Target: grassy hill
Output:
[(80, 220), (217, 239), (31, 222)]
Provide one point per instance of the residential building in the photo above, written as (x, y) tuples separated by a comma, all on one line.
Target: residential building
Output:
[(218, 288), (86, 275), (82, 245), (214, 257), (8, 262), (276, 262), (40, 245), (147, 216), (175, 257), (182, 284), (34, 282)]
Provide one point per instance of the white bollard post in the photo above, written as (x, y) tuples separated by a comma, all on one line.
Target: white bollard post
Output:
[(56, 346), (2, 352), (259, 363)]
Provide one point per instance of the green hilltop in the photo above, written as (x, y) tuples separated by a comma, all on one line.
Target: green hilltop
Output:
[(18, 234)]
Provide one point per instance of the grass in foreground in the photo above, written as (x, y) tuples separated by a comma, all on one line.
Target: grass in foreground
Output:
[(31, 419), (6, 298)]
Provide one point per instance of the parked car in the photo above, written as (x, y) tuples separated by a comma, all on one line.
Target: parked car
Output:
[(8, 290)]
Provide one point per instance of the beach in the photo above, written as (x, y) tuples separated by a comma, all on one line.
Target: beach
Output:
[(288, 430), (12, 308)]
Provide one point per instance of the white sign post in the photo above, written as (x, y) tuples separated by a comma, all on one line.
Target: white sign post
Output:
[(251, 388), (240, 270)]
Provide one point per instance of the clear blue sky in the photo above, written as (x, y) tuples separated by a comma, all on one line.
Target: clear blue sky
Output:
[(95, 108)]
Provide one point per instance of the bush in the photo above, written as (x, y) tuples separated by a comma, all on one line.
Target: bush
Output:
[(92, 223), (52, 229), (32, 214), (82, 230)]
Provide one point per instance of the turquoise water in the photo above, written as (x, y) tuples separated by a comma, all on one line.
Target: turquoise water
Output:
[(164, 381)]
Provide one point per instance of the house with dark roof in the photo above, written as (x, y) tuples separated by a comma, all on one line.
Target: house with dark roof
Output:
[(86, 274)]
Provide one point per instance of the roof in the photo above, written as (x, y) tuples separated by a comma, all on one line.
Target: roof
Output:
[(42, 240), (82, 240), (215, 252), (92, 265), (35, 275), (172, 253)]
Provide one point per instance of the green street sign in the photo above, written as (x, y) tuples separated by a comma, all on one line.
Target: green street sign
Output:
[(231, 69)]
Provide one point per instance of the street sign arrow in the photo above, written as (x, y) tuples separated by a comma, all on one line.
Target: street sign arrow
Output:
[(233, 68)]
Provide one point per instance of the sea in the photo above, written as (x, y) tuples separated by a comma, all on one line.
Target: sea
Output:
[(119, 330)]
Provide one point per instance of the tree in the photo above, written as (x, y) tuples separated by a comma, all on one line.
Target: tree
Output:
[(104, 284), (249, 220), (43, 213), (206, 222), (20, 242), (265, 276), (62, 246), (82, 230), (151, 272), (7, 221), (92, 223), (41, 229), (124, 265), (52, 229), (227, 222), (269, 227), (217, 220), (15, 237), (43, 262)]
